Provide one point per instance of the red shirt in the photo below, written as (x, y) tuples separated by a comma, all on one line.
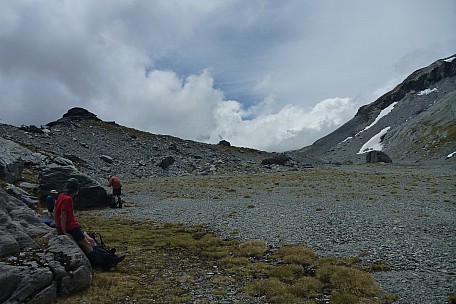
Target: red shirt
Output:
[(114, 182), (64, 203)]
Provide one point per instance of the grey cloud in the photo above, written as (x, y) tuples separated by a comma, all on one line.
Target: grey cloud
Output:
[(163, 66)]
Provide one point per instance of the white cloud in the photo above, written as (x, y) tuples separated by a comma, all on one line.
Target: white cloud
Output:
[(261, 74), (290, 128)]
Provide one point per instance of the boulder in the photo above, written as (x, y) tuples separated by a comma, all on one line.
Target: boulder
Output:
[(11, 160), (107, 159), (166, 162), (276, 160), (224, 143), (377, 157), (91, 193)]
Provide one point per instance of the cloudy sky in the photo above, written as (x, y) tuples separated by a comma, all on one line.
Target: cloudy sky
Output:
[(268, 74)]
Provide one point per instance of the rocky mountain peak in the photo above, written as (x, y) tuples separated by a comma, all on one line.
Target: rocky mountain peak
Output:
[(73, 115), (80, 114)]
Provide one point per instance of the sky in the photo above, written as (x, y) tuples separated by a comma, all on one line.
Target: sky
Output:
[(265, 74)]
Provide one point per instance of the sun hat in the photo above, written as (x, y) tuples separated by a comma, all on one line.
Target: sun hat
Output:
[(72, 185)]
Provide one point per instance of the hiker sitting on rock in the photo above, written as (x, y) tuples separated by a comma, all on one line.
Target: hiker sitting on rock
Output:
[(114, 182), (50, 202), (66, 224)]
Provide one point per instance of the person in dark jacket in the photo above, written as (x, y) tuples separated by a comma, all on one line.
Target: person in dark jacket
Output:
[(50, 201)]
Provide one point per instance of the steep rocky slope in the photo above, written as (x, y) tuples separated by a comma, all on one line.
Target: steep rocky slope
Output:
[(416, 121)]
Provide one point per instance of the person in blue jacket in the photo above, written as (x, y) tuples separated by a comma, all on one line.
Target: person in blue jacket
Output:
[(50, 201)]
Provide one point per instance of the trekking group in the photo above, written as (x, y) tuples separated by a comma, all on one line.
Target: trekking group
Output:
[(61, 207)]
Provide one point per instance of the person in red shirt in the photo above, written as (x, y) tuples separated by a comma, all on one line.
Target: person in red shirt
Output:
[(66, 222), (114, 182)]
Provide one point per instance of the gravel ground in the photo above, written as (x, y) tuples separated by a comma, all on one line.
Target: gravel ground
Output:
[(400, 215)]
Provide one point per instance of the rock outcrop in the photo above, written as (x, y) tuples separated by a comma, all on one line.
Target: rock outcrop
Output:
[(11, 160), (74, 115), (36, 264)]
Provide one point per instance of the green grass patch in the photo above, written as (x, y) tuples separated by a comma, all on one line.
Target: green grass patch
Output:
[(165, 263)]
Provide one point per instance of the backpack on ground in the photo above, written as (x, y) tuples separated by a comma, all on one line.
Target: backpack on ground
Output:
[(103, 256)]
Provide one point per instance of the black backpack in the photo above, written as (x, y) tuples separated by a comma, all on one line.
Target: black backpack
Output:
[(103, 256)]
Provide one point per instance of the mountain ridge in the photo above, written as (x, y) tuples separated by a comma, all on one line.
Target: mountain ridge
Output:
[(421, 127), (414, 96)]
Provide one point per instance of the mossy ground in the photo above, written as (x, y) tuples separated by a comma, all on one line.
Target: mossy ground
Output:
[(170, 263)]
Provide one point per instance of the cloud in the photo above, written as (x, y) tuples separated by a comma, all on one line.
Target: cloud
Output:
[(291, 127), (263, 74)]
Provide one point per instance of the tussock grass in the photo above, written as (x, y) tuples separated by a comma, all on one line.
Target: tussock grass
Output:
[(254, 248), (165, 264), (296, 255)]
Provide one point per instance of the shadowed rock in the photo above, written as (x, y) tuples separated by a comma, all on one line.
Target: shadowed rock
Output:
[(91, 193), (377, 157)]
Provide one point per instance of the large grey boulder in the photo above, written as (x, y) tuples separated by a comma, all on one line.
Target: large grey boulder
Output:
[(32, 272), (14, 157), (23, 195), (91, 193), (280, 159), (377, 157), (18, 226), (11, 160)]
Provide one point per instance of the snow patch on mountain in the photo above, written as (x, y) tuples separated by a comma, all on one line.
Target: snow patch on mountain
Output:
[(375, 143), (427, 92), (383, 113)]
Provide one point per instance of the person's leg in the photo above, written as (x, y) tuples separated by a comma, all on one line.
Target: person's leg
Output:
[(80, 238), (90, 240), (117, 193)]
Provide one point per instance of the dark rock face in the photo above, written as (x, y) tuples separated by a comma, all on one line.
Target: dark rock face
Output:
[(34, 273), (224, 143), (377, 157), (32, 129), (91, 194), (166, 162), (79, 114), (276, 160), (73, 115)]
